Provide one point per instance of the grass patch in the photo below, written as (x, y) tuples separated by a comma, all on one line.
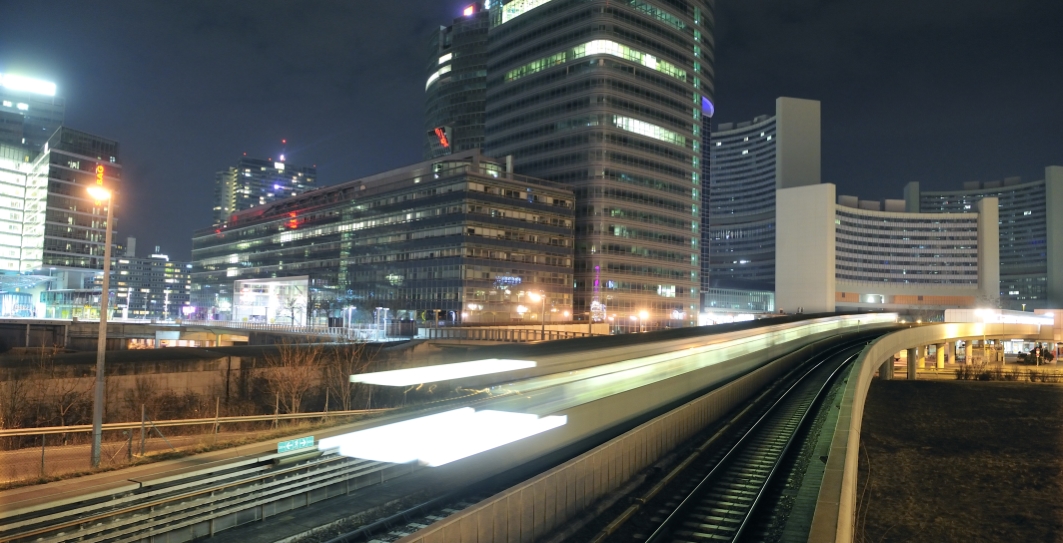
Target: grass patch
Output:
[(961, 461)]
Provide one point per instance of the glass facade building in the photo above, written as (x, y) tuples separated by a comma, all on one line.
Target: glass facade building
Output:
[(609, 98), (51, 231), (1031, 233), (457, 85), (64, 229), (256, 182), (457, 239)]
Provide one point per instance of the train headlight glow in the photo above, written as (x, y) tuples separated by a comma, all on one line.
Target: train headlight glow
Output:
[(441, 372), (439, 439)]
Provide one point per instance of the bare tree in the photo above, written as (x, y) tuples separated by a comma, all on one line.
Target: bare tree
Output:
[(292, 371), (347, 360), (293, 302), (64, 391), (13, 397)]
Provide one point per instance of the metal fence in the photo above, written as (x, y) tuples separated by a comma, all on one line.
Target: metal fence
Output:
[(497, 334), (60, 450)]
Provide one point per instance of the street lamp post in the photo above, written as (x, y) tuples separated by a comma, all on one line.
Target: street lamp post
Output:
[(101, 195), (643, 315)]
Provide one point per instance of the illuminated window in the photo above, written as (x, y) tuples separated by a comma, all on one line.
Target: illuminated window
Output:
[(432, 78), (598, 47), (646, 129), (446, 58)]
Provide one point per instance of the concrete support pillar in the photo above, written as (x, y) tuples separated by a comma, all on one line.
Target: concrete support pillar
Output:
[(954, 350), (885, 372), (968, 352), (920, 355), (939, 353), (913, 354)]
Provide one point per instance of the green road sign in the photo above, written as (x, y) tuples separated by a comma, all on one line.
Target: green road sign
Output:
[(295, 444)]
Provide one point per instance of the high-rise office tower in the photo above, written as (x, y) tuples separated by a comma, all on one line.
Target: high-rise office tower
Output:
[(63, 228), (30, 112), (1031, 232), (255, 182), (748, 162), (609, 97), (456, 85)]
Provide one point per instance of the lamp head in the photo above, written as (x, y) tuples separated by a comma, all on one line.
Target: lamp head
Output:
[(99, 193)]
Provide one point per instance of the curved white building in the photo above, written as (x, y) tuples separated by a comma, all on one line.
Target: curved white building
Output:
[(854, 255)]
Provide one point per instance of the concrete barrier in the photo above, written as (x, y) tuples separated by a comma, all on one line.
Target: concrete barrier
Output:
[(532, 509), (836, 506)]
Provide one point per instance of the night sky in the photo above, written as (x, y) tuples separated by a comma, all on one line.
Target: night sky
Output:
[(940, 92)]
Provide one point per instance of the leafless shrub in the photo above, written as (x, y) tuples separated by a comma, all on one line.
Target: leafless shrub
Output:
[(345, 361), (292, 371)]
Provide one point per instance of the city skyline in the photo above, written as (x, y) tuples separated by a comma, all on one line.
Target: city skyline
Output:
[(909, 92)]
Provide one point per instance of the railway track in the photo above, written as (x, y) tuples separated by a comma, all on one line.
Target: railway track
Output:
[(718, 505), (721, 482)]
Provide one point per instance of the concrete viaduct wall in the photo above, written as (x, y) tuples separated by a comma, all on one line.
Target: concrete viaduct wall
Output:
[(532, 509), (836, 505)]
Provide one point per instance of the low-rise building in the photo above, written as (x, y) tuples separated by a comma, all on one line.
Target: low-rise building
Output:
[(456, 239), (847, 254)]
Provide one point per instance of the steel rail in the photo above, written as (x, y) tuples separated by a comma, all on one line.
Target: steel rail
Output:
[(680, 515), (789, 443)]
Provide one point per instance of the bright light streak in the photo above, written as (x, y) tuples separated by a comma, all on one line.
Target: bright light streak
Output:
[(441, 372), (26, 84), (439, 439)]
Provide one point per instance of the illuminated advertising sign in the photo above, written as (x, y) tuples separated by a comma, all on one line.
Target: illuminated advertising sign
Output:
[(440, 139), (441, 134), (99, 174)]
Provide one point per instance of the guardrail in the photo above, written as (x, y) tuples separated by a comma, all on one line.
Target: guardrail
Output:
[(52, 430), (356, 332), (495, 334)]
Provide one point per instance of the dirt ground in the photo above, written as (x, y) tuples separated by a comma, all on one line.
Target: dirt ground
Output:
[(961, 461)]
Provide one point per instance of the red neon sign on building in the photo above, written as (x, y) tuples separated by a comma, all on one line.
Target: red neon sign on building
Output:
[(442, 135)]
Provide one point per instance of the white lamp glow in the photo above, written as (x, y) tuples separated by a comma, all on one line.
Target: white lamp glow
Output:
[(441, 372), (26, 84), (99, 193)]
